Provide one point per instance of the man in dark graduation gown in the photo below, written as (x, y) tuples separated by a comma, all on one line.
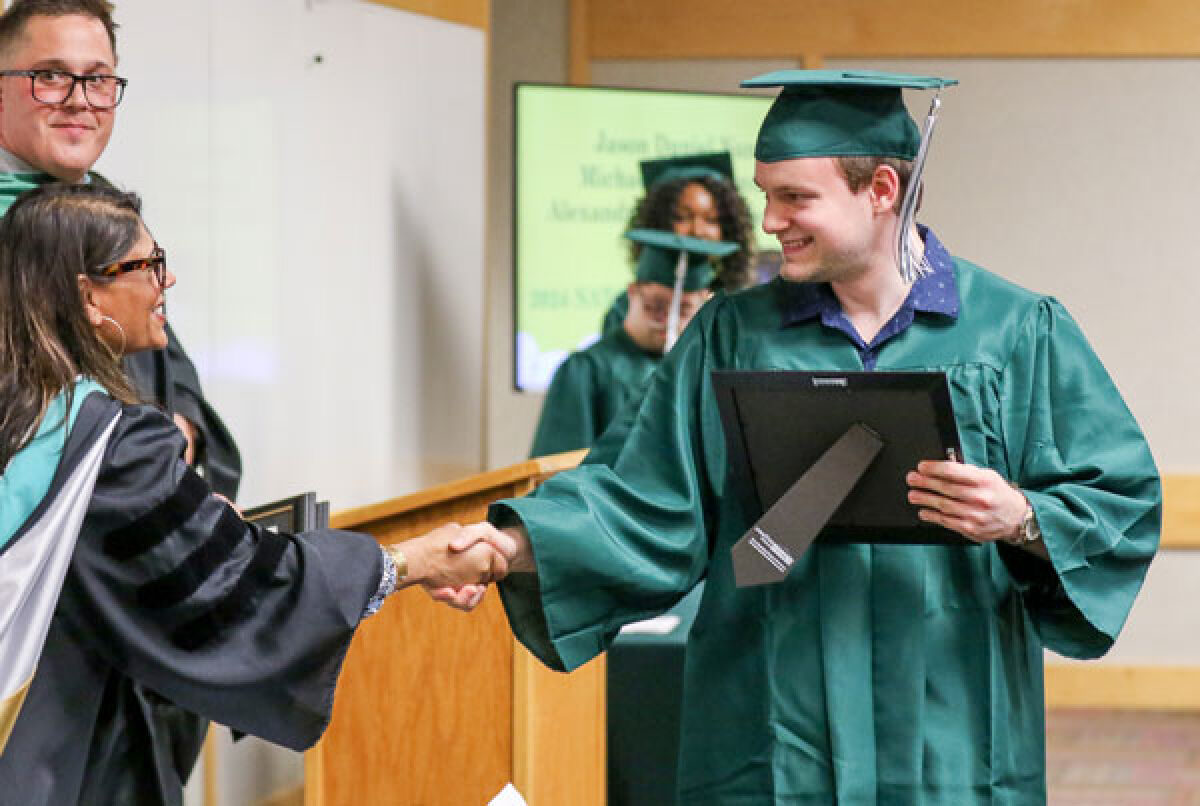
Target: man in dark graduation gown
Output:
[(873, 674), (591, 386), (38, 146)]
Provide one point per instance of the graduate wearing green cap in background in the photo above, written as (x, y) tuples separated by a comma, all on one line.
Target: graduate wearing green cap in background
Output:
[(593, 385), (692, 194), (872, 674)]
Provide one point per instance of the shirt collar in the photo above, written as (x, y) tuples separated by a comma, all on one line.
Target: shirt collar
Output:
[(12, 164), (935, 293)]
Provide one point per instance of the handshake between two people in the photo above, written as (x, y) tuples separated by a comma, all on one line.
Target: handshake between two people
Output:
[(455, 564)]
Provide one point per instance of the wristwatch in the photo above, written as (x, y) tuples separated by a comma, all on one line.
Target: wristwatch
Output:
[(393, 550), (1029, 531)]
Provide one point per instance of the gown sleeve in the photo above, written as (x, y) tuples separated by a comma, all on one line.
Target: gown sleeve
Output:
[(1081, 460), (238, 624), (623, 536), (570, 417)]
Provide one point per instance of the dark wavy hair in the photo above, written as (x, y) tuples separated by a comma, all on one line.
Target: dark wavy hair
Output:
[(49, 237), (656, 210)]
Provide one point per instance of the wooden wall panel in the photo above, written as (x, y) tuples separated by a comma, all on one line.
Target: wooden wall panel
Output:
[(579, 64), (1103, 685), (699, 29), (1181, 511), (465, 12)]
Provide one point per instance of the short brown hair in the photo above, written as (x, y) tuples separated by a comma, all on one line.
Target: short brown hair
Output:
[(14, 20), (859, 170)]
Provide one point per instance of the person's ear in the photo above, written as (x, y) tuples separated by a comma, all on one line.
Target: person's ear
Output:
[(88, 297), (885, 189), (629, 289)]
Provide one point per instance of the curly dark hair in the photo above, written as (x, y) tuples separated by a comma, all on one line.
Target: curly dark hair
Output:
[(656, 210)]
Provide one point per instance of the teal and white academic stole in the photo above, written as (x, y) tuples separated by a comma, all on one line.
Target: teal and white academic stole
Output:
[(33, 567)]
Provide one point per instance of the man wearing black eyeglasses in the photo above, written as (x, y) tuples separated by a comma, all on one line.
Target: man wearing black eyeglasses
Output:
[(58, 96)]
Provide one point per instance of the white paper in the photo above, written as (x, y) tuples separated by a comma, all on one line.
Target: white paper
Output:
[(509, 796), (659, 625)]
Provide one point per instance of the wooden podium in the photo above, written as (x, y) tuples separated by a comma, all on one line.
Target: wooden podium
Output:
[(435, 706)]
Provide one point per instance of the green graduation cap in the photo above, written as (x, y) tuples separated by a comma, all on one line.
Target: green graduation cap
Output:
[(851, 113), (680, 262), (662, 252), (718, 164), (839, 113)]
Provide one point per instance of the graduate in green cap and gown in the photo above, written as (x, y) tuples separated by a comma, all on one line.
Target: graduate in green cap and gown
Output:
[(872, 674), (591, 387), (692, 194)]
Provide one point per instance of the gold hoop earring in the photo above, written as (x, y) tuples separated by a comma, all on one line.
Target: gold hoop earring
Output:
[(121, 330)]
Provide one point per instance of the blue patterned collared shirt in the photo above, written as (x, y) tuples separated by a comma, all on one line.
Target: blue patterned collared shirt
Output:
[(936, 293)]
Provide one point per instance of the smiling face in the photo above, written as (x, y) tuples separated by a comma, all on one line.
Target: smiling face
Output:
[(697, 213), (134, 300), (827, 231), (64, 140)]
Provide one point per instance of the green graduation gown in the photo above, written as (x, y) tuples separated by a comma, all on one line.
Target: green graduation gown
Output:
[(588, 391), (873, 674)]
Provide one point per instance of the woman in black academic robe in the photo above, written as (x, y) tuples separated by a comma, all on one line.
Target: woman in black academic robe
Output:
[(170, 604)]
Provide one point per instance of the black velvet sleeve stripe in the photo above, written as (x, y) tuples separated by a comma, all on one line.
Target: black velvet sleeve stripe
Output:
[(240, 601), (177, 585), (150, 529)]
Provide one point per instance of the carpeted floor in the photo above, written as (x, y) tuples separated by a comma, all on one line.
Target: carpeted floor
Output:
[(1106, 758)]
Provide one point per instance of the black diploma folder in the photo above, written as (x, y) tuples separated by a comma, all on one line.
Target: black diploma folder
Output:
[(823, 456), (300, 513)]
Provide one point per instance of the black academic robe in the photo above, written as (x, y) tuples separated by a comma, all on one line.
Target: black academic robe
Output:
[(172, 600)]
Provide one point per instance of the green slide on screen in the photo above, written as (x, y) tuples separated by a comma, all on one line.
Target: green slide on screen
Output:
[(577, 179)]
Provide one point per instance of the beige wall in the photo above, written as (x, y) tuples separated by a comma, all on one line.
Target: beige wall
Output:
[(1070, 177), (528, 43), (319, 197)]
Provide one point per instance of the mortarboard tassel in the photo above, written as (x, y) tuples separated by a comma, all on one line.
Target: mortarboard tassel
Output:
[(676, 300), (910, 268)]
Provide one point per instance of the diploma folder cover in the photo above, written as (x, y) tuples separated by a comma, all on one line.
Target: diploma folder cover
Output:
[(300, 513), (854, 434)]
